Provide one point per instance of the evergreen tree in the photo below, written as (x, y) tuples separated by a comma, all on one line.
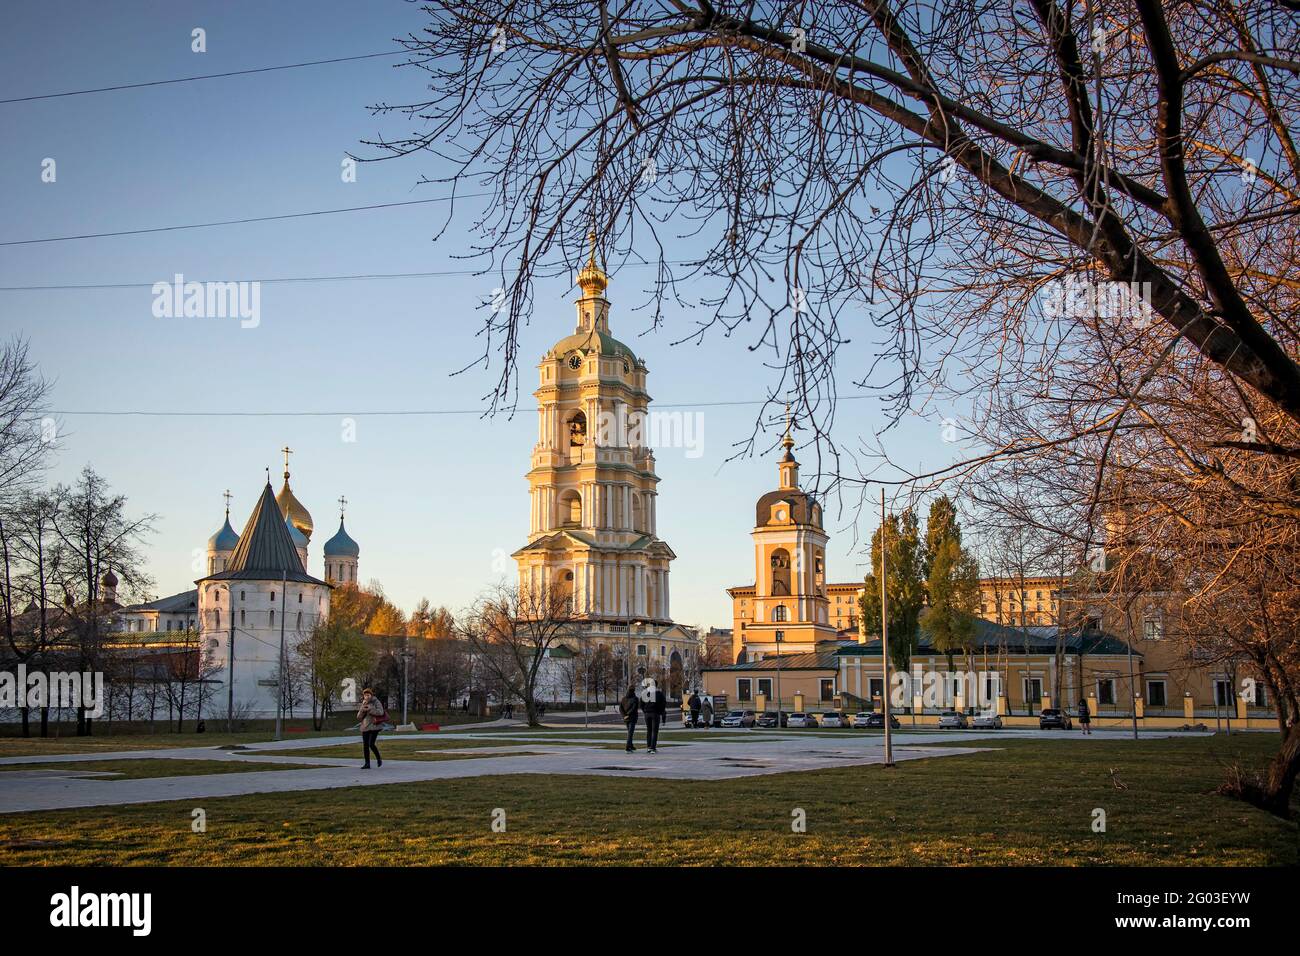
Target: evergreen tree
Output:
[(904, 586)]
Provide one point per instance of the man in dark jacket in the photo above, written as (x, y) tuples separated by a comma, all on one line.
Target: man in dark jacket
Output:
[(628, 707), (694, 705)]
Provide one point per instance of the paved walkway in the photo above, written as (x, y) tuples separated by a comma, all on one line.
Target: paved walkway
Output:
[(23, 791), (45, 787)]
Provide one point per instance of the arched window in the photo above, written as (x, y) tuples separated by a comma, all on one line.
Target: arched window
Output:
[(780, 571), (571, 508), (241, 615), (780, 613), (577, 430), (273, 619), (300, 620), (638, 513), (218, 618)]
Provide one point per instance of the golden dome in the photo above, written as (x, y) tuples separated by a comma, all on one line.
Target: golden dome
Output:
[(292, 510), (592, 278)]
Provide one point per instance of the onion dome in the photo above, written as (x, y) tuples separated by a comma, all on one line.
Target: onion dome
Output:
[(342, 545), (109, 580), (299, 539), (224, 540), (292, 509), (592, 278)]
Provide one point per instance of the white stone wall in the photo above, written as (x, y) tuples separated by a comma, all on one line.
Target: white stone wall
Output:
[(259, 609)]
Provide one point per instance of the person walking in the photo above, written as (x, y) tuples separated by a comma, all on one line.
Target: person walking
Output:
[(655, 705), (694, 705), (1085, 718), (628, 708), (372, 715)]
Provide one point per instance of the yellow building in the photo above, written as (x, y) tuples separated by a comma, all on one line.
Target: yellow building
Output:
[(1022, 600), (593, 490), (787, 608)]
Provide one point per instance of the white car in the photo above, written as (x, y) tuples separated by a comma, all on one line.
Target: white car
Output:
[(986, 722), (801, 720), (831, 719), (953, 719), (739, 718)]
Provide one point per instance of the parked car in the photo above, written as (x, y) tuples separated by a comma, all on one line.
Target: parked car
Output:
[(986, 722), (739, 718), (831, 718), (874, 721), (953, 719), (801, 720), (1053, 717), (767, 719)]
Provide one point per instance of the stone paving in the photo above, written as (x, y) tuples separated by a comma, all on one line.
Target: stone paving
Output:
[(684, 757)]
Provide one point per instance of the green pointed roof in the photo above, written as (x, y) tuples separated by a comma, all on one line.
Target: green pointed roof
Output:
[(266, 550)]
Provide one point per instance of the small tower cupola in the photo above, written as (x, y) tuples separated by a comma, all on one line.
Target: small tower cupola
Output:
[(788, 467), (108, 587), (342, 554), (222, 544), (593, 307)]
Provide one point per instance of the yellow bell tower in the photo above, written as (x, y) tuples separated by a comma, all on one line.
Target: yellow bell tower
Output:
[(592, 485), (789, 607)]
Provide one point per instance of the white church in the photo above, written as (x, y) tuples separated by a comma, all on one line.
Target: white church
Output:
[(257, 588)]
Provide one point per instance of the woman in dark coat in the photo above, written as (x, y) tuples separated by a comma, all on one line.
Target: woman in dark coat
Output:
[(371, 714), (1085, 718)]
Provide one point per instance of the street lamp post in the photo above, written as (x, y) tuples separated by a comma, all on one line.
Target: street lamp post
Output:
[(279, 677), (406, 683), (780, 636), (884, 635)]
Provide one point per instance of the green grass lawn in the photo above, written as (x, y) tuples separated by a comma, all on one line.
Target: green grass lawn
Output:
[(1029, 802), (136, 769)]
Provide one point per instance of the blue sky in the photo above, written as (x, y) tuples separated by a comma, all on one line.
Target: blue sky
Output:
[(434, 500)]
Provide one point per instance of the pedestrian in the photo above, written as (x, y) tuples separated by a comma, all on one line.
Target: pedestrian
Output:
[(655, 705), (1085, 718), (372, 715), (628, 708), (694, 705)]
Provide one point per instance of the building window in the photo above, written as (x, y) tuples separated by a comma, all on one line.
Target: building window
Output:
[(765, 686), (642, 650), (779, 613), (827, 689), (1153, 628), (875, 687), (272, 597), (241, 615), (743, 689), (1156, 693), (300, 620), (273, 619), (1033, 690), (1223, 693), (1106, 690)]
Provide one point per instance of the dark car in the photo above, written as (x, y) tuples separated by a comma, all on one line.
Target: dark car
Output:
[(1054, 718), (766, 719), (877, 722)]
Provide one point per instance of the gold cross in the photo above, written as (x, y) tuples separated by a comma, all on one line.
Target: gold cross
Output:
[(227, 497), (287, 452), (343, 503)]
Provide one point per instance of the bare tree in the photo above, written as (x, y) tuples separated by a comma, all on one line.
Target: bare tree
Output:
[(511, 629)]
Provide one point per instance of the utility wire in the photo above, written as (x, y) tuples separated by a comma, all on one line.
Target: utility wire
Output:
[(390, 413), (205, 76), (362, 276), (237, 222)]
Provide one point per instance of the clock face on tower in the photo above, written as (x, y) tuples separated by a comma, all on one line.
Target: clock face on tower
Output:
[(575, 361)]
